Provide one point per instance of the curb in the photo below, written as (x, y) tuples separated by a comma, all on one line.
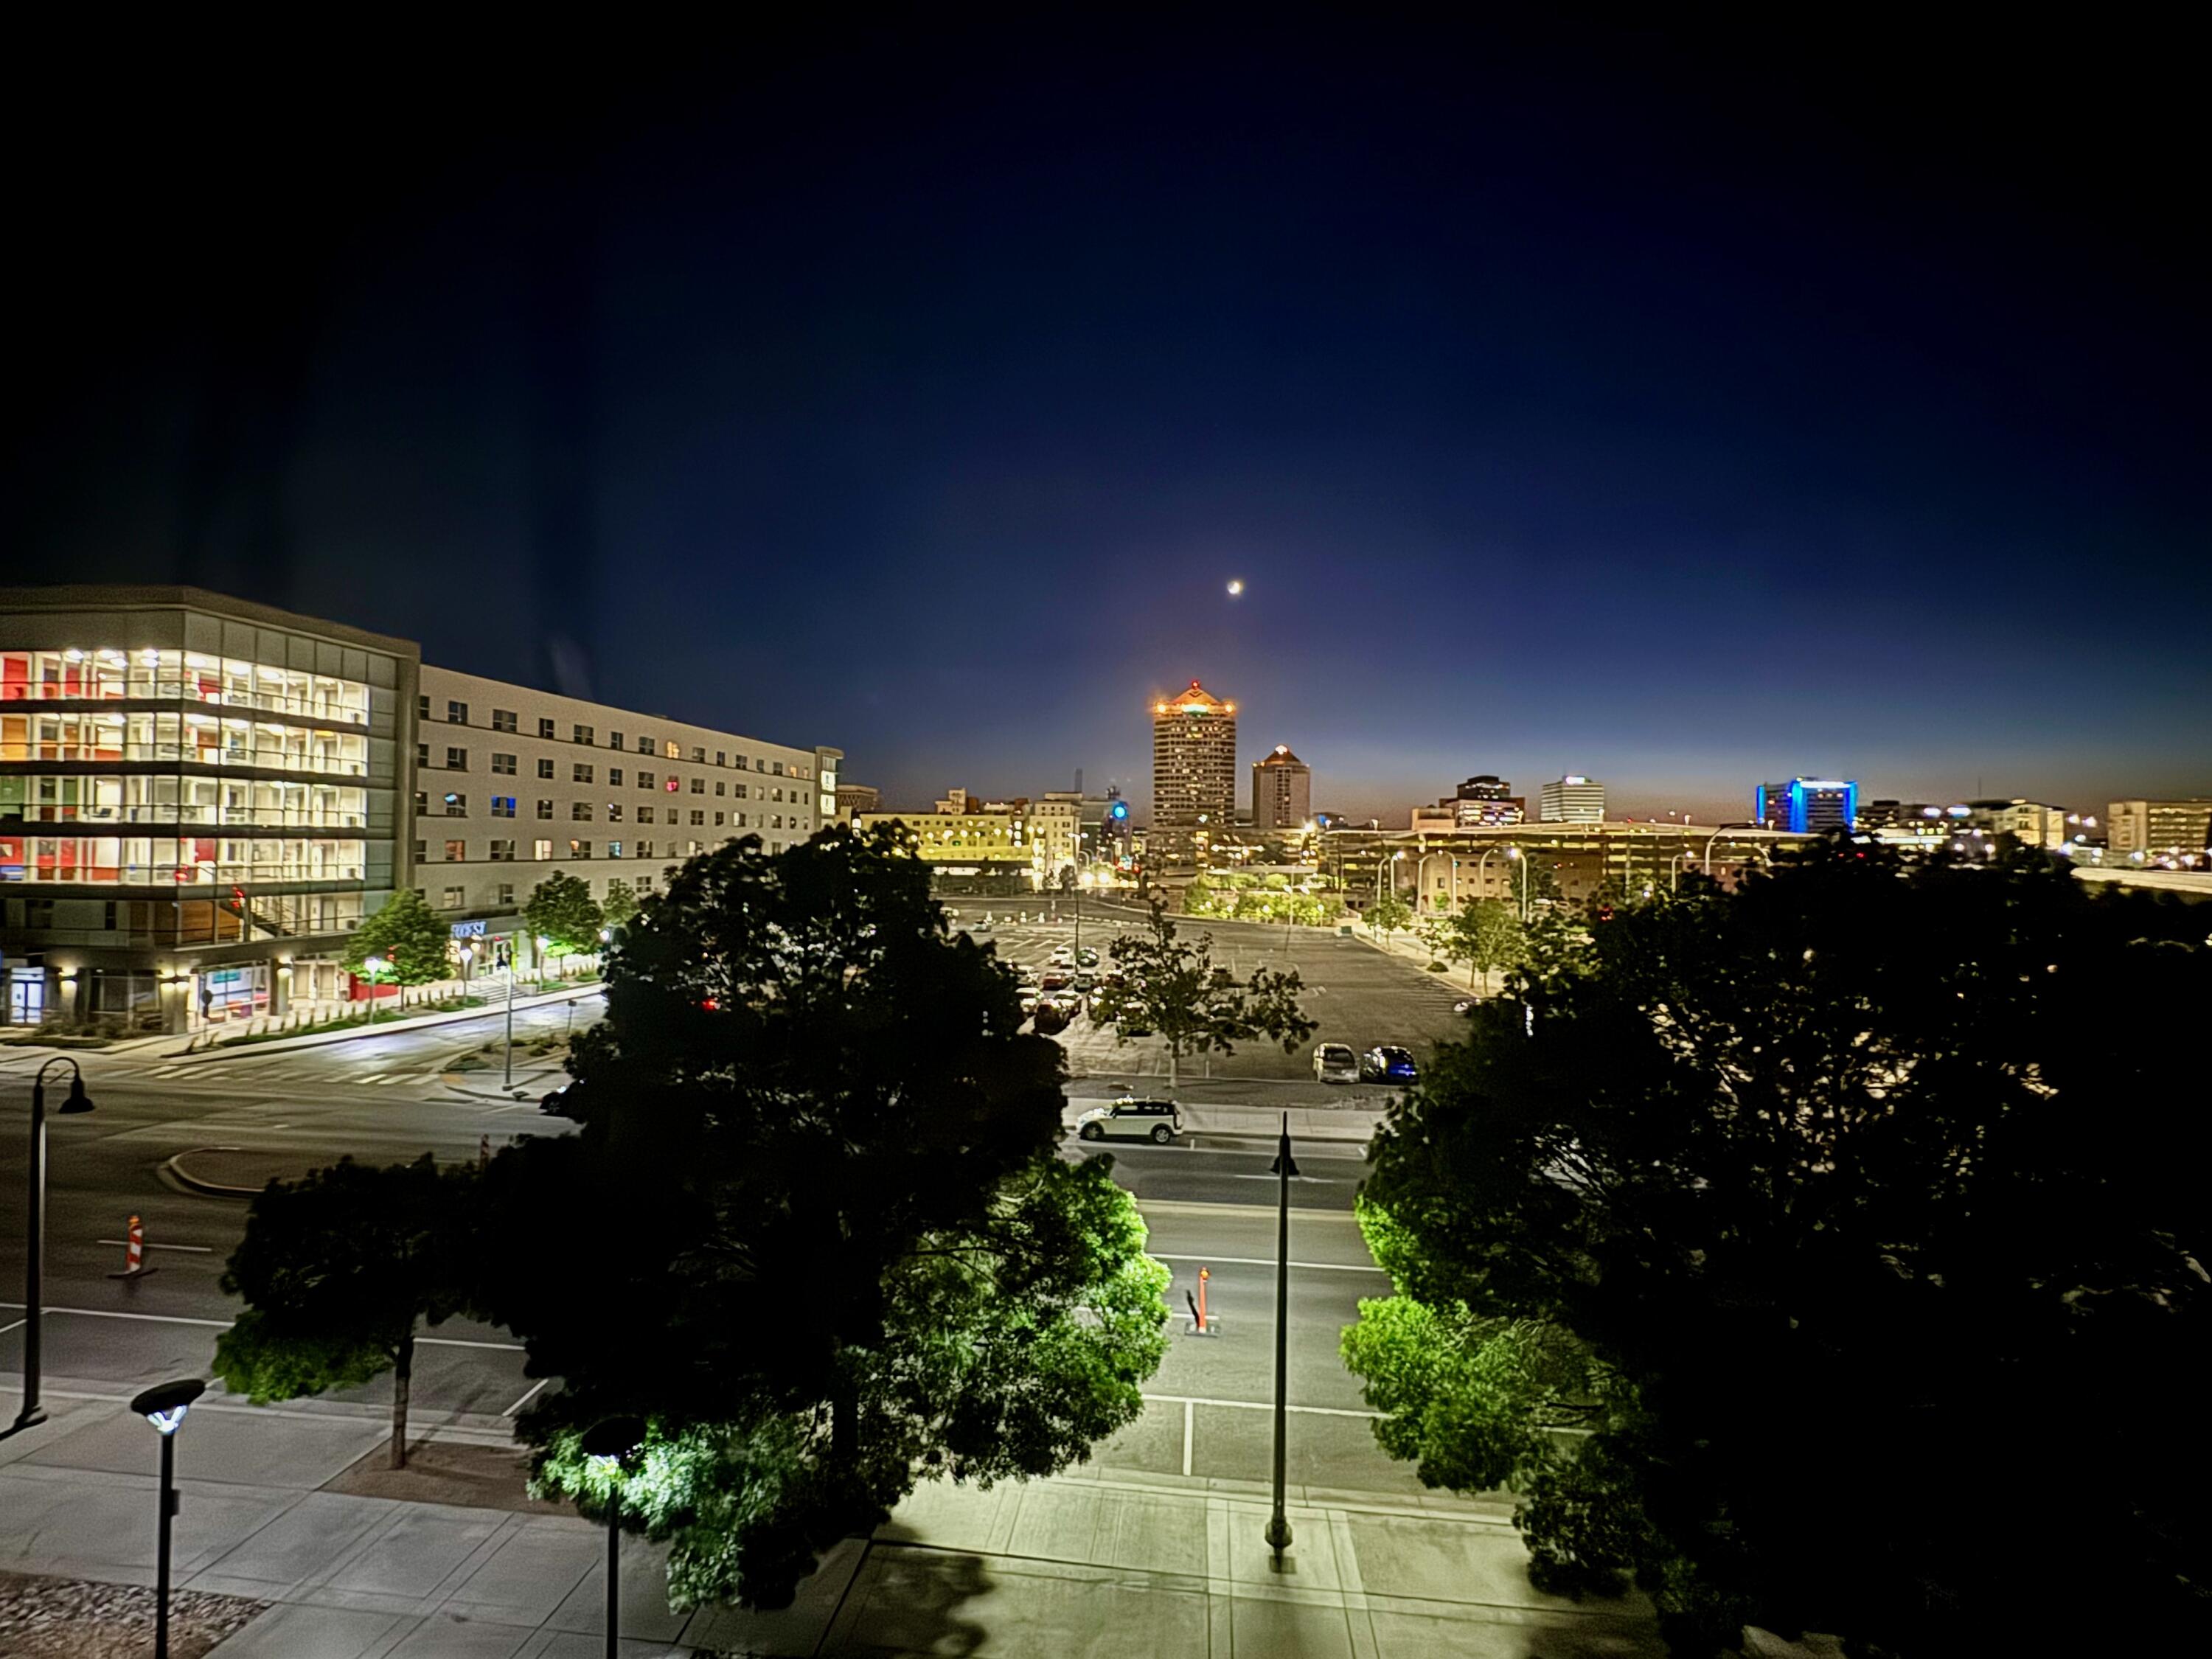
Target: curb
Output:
[(212, 1188), (416, 1023)]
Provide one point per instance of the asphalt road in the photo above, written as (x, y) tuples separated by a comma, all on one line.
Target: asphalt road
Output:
[(1208, 1203)]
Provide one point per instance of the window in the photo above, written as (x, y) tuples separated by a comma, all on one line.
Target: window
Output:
[(779, 821), (719, 786), (614, 740), (721, 759), (581, 772), (645, 849), (502, 852), (645, 815), (779, 794), (614, 849), (741, 762), (455, 898), (421, 754), (645, 745), (544, 809), (583, 734), (644, 779), (456, 806), (503, 765), (507, 892), (698, 755), (541, 850), (614, 777), (545, 728), (718, 818), (456, 851), (614, 811), (579, 849), (503, 806), (422, 803), (457, 760), (759, 764), (502, 720), (422, 851), (675, 749), (545, 769), (423, 706), (743, 791), (741, 820), (673, 784), (698, 786), (579, 811), (779, 768), (457, 714)]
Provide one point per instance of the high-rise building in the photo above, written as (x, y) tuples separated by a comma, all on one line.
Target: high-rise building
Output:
[(857, 797), (2156, 827), (1805, 805), (1282, 791), (1484, 785), (1193, 776), (1056, 832), (1573, 800)]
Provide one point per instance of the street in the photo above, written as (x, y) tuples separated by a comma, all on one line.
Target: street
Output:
[(1208, 1200)]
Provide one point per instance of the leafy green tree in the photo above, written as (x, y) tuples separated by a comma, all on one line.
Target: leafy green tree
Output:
[(415, 943), (818, 1155), (1486, 935), (338, 1271), (1844, 1172), (560, 909), (1174, 990), (620, 905), (1389, 914)]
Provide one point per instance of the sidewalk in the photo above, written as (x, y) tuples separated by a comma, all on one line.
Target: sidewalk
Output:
[(1079, 1566), (495, 1009)]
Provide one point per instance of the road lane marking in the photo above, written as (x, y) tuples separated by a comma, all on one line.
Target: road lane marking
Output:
[(4, 1329), (225, 1324), (528, 1398), (197, 1249), (1186, 1399), (1268, 1261), (1189, 1412)]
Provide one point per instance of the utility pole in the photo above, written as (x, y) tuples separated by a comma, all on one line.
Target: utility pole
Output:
[(1279, 1524)]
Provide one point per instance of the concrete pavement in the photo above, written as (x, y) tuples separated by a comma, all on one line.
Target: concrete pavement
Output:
[(1092, 1562)]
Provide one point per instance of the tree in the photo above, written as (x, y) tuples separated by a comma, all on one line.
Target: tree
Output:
[(1858, 1168), (337, 1271), (621, 904), (1174, 990), (1387, 913), (1486, 935), (818, 1155), (560, 909), (415, 943)]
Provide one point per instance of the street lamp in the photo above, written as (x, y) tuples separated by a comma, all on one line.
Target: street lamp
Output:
[(164, 1406), (1514, 854), (1717, 835), (372, 966), (1278, 1523), (31, 1412), (611, 1444)]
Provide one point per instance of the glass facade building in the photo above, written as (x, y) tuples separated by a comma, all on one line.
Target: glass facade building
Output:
[(199, 797)]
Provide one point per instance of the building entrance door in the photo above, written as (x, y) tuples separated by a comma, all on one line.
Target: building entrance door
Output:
[(26, 1001)]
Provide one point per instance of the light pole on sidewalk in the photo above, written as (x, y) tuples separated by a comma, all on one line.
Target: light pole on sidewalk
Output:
[(612, 1444), (372, 966), (164, 1406), (33, 1413), (1279, 1524)]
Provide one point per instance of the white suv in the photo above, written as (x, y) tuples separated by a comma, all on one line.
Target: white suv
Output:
[(1335, 1062), (1128, 1119)]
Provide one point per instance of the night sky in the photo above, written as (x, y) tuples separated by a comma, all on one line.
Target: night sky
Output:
[(1672, 405)]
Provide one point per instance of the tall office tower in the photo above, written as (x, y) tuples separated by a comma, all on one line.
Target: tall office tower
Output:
[(1194, 776), (1574, 800), (1282, 791)]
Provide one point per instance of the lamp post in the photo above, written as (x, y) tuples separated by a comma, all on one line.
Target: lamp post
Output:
[(1279, 1524), (1421, 871), (507, 1075), (372, 966), (164, 1406), (33, 1413), (1521, 858), (1717, 835), (612, 1444)]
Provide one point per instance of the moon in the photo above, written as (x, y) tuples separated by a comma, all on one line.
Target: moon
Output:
[(1236, 586)]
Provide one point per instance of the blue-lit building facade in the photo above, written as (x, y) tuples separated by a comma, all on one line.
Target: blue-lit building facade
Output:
[(1806, 806)]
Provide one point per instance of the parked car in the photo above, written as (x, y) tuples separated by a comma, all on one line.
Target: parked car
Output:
[(556, 1103), (1048, 1019), (1336, 1063), (1055, 979), (1086, 957), (1464, 1006), (1085, 981), (1062, 956), (1386, 1063), (1129, 1119)]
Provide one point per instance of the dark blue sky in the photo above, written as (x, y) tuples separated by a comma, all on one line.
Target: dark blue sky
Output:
[(1668, 405)]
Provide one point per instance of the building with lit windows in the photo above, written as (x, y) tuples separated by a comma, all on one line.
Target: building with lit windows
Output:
[(2175, 829), (1805, 805), (201, 797), (1572, 799), (971, 846), (511, 783), (1194, 777), (1282, 791)]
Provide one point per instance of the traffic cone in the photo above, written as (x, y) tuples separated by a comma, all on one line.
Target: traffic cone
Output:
[(134, 1253)]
